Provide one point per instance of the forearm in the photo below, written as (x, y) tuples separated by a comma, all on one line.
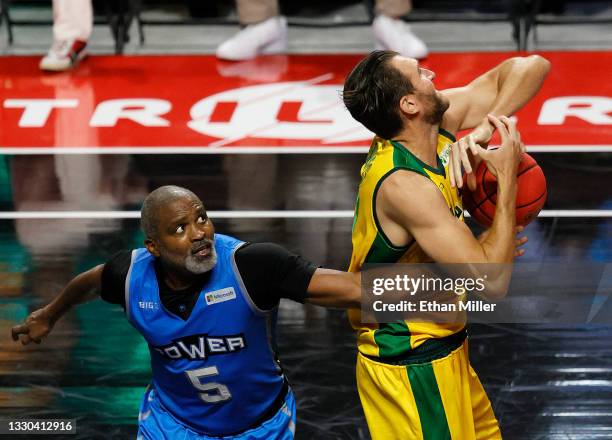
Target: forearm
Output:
[(498, 243), (519, 80), (80, 289), (332, 288)]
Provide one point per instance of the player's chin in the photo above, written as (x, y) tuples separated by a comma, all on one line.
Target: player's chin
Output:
[(200, 264)]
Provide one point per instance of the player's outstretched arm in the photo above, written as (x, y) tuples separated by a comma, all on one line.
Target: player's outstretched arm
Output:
[(39, 323), (333, 288)]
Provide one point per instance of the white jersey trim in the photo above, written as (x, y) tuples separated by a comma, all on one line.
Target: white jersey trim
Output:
[(127, 285)]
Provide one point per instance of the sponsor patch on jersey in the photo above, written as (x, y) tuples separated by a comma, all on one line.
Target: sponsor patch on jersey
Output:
[(445, 154), (219, 296)]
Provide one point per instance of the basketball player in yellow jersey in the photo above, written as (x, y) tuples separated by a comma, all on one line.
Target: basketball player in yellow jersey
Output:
[(414, 379)]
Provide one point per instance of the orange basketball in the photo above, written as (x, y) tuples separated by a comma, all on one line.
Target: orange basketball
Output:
[(530, 196)]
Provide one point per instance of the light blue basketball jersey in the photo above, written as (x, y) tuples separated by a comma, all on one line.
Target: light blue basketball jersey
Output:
[(216, 372)]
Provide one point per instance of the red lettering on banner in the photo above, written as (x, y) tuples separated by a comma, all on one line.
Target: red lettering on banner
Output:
[(223, 111), (290, 112)]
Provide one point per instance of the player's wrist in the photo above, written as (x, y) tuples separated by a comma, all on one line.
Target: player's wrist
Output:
[(482, 133), (506, 174), (52, 312), (486, 126), (507, 188)]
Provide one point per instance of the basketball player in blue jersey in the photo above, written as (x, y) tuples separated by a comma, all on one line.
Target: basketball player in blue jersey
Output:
[(206, 304)]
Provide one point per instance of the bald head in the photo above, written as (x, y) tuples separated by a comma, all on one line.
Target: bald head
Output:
[(155, 201)]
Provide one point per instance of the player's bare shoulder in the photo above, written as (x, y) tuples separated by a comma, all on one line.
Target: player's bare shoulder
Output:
[(410, 194)]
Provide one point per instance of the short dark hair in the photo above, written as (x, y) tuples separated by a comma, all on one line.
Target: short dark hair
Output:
[(372, 92), (149, 214)]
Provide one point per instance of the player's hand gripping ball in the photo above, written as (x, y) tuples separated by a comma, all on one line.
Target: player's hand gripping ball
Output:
[(530, 196)]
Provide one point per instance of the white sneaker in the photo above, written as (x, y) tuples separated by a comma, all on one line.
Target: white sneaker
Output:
[(395, 34), (267, 37), (64, 55)]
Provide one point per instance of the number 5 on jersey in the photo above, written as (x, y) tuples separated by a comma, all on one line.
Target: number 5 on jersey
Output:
[(212, 392)]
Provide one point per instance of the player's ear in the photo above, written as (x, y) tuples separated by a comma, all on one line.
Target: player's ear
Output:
[(408, 105), (152, 247)]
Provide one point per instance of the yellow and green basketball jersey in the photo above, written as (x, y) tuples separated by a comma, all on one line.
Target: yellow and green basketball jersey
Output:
[(370, 245)]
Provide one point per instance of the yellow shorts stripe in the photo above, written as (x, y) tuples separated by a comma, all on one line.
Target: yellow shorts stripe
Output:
[(387, 400)]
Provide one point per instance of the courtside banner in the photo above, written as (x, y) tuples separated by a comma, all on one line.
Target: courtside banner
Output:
[(453, 294), (291, 102)]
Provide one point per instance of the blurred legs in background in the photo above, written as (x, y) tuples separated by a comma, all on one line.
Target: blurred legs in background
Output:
[(72, 25), (265, 31), (392, 33)]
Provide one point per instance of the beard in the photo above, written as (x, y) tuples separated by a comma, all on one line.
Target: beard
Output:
[(436, 109), (199, 265)]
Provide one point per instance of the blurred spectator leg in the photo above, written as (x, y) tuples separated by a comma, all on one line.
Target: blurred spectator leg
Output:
[(264, 31), (392, 33), (72, 25)]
